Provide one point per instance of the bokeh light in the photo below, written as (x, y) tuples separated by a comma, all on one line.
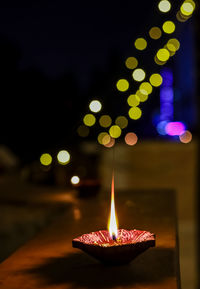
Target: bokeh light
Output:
[(121, 121), (135, 112), (131, 62), (111, 143), (163, 54), (146, 86), (102, 136), (89, 119), (155, 33), (168, 27), (46, 159), (174, 42), (175, 128), (142, 94), (131, 138), (115, 131), (156, 79), (140, 43), (164, 6), (133, 100), (95, 106), (161, 127), (122, 85), (63, 157), (187, 8), (186, 137), (139, 74), (75, 180), (83, 131), (157, 61), (105, 121)]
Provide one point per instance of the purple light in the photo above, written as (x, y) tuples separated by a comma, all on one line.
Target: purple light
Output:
[(175, 128), (167, 77), (166, 94)]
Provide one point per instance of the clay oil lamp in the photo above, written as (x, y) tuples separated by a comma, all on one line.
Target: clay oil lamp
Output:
[(115, 246)]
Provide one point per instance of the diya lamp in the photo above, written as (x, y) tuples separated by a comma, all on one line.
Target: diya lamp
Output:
[(115, 246)]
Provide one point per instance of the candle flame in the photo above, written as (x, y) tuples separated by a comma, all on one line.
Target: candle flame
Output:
[(112, 222)]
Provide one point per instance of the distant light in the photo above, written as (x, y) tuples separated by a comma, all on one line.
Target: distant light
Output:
[(111, 143), (133, 100), (157, 61), (63, 157), (156, 79), (121, 121), (164, 6), (139, 74), (135, 112), (46, 159), (95, 106), (131, 62), (142, 94), (146, 86), (122, 85), (106, 139), (175, 128), (89, 119), (155, 33), (187, 8), (140, 43), (186, 137), (105, 121), (168, 27), (163, 54), (181, 18), (161, 127), (75, 180), (174, 42), (115, 131), (131, 138), (83, 131), (101, 136)]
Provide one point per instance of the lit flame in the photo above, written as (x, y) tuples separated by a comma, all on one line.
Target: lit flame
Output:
[(112, 222)]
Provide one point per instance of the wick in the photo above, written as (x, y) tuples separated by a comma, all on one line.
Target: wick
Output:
[(114, 237)]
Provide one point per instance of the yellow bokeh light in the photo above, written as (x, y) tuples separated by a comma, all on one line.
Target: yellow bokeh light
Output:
[(155, 33), (131, 138), (63, 157), (139, 74), (111, 143), (163, 54), (121, 121), (187, 8), (75, 180), (95, 106), (157, 61), (133, 100), (115, 131), (101, 136), (131, 62), (156, 79), (164, 6), (105, 121), (89, 119), (168, 27), (146, 86), (83, 131), (142, 94), (174, 42), (181, 18), (122, 85), (135, 113), (46, 159), (140, 43), (186, 137), (171, 48), (106, 139)]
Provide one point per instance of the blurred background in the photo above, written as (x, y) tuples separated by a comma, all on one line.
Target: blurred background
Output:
[(79, 80)]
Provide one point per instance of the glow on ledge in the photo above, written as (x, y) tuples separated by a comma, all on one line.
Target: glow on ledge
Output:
[(75, 180), (95, 106), (63, 157), (89, 119), (131, 62), (135, 113), (140, 43), (115, 131), (139, 74), (155, 33), (105, 121), (168, 27), (122, 85), (187, 8), (164, 6), (156, 79), (46, 159), (163, 54)]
